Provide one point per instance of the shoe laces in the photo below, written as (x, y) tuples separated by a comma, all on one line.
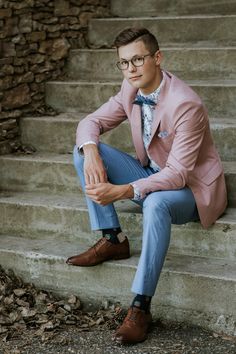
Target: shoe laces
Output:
[(100, 242), (132, 316)]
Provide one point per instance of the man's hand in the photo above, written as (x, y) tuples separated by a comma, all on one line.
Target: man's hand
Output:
[(94, 170), (106, 193)]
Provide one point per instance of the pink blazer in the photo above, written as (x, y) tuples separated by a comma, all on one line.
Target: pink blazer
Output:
[(181, 143)]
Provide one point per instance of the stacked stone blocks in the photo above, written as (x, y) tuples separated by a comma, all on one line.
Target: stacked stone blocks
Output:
[(35, 38)]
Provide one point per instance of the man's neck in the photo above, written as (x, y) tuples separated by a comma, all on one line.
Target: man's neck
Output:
[(148, 91)]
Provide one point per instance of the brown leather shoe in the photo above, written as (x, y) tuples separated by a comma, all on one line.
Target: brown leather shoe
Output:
[(102, 251), (135, 327)]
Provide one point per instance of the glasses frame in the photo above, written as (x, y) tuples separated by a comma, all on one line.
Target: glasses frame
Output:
[(131, 61)]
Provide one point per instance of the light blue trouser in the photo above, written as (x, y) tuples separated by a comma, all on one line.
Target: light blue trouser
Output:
[(160, 210)]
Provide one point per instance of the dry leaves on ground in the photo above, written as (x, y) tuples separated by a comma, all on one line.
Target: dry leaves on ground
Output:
[(23, 306)]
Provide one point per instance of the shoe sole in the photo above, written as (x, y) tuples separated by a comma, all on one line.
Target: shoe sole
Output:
[(105, 260)]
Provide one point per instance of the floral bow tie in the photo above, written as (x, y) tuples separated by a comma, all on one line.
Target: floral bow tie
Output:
[(140, 100)]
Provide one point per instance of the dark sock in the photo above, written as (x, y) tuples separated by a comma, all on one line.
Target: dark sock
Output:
[(111, 234), (143, 302)]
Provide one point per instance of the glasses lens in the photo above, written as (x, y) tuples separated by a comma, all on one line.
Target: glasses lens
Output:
[(122, 65), (138, 61)]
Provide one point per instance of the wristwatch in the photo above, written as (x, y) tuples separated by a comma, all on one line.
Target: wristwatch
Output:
[(137, 194)]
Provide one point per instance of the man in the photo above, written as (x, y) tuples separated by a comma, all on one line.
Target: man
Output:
[(177, 176)]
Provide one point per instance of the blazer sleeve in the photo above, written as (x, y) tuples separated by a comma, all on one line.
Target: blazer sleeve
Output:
[(105, 118), (190, 127)]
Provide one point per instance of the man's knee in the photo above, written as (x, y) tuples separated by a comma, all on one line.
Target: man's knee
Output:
[(156, 217), (155, 203)]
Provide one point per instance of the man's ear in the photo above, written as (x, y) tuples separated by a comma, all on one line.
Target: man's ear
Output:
[(158, 57)]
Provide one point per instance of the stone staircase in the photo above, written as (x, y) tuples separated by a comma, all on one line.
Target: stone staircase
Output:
[(43, 215)]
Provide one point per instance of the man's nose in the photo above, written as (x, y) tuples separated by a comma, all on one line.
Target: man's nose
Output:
[(131, 67)]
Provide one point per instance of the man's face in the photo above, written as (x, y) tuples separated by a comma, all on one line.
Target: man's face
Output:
[(145, 77)]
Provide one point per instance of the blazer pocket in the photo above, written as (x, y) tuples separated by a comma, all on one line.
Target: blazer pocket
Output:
[(166, 141), (212, 174)]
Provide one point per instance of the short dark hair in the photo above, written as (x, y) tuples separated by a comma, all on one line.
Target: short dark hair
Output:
[(135, 34)]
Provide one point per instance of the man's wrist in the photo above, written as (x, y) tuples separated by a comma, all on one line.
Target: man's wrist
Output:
[(88, 148), (125, 191)]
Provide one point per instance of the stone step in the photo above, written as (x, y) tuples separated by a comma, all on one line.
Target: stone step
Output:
[(85, 96), (55, 173), (136, 8), (38, 172), (40, 132), (186, 63), (189, 289), (173, 31), (65, 215)]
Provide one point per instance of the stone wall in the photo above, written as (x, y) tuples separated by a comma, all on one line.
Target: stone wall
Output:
[(35, 38)]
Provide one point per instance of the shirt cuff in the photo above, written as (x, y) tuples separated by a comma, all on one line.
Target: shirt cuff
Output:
[(80, 148), (137, 195)]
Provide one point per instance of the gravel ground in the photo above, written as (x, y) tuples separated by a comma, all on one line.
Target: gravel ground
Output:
[(35, 321), (163, 339)]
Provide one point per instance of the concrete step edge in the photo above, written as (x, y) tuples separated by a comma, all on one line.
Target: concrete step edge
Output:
[(76, 117), (171, 17), (205, 83), (163, 48), (229, 166), (40, 157), (77, 202), (185, 264), (67, 116)]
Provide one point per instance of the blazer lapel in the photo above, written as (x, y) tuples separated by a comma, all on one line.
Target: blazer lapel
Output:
[(136, 128), (160, 105)]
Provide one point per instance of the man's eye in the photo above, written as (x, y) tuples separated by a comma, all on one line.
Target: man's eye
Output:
[(137, 60), (124, 63)]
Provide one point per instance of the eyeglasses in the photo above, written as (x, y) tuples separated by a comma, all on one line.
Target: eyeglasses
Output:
[(136, 61)]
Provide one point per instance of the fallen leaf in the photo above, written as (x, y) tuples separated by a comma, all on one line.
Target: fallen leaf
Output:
[(72, 299), (27, 312), (67, 307), (19, 292)]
